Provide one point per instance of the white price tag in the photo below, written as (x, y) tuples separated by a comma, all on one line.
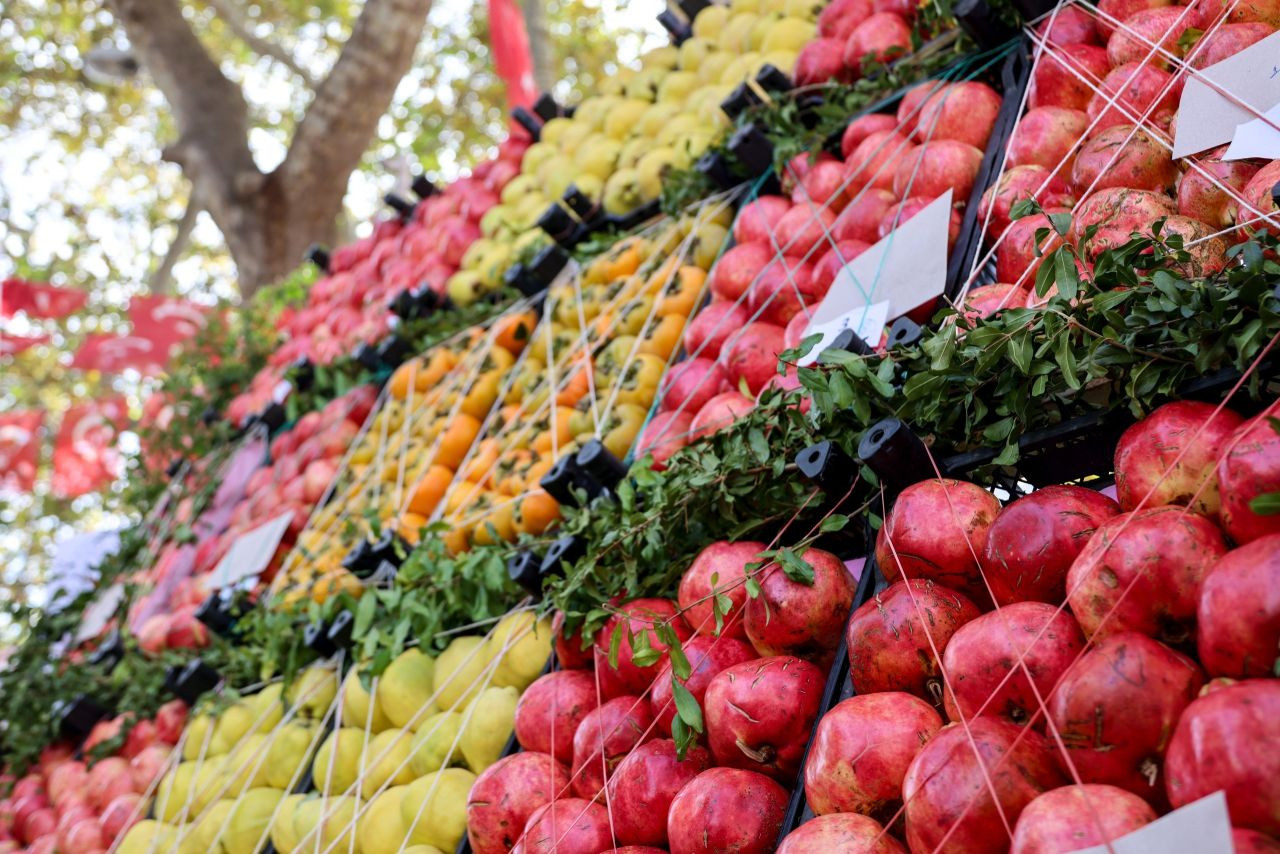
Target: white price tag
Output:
[(1258, 138), (867, 322), (1232, 92), (99, 613), (249, 554), (1201, 827)]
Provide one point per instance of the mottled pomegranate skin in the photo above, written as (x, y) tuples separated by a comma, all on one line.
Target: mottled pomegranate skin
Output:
[(846, 833), (1250, 468), (891, 638), (1226, 740), (613, 730), (504, 797), (861, 751), (804, 620), (639, 616), (550, 710), (643, 786), (568, 826), (1252, 842), (1116, 709), (1238, 620), (1075, 817), (726, 810), (949, 801), (727, 562), (707, 656)]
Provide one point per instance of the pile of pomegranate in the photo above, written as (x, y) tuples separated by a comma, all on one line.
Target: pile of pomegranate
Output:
[(68, 804), (851, 31), (1057, 672), (1096, 141)]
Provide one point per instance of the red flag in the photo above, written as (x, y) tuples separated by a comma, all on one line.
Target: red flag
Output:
[(84, 454), (113, 353), (19, 449), (39, 300), (165, 318), (12, 345), (512, 59)]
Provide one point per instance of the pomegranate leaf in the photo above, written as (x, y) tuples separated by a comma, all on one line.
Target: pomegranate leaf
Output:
[(687, 707), (834, 522), (795, 567), (1266, 504)]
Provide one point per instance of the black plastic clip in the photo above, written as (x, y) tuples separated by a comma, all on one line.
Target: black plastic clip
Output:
[(849, 341), (525, 569), (109, 653), (400, 205), (78, 716), (393, 351), (546, 107), (679, 31), (774, 80), (715, 168), (750, 147), (601, 469), (982, 23), (528, 121), (904, 332), (827, 466), (542, 271), (191, 681), (319, 256), (568, 549), (340, 630), (210, 416), (302, 373), (581, 205), (272, 417), (367, 356), (315, 637), (359, 560), (741, 99), (897, 456), (558, 224), (423, 188), (563, 479), (215, 613), (175, 466), (1275, 194), (691, 8)]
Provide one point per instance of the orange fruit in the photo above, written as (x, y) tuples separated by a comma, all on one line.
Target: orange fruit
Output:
[(536, 513), (480, 468), (429, 490), (662, 337), (683, 292), (457, 540), (499, 522), (535, 472), (403, 379), (456, 440), (439, 363), (556, 434), (513, 333), (482, 395), (411, 527)]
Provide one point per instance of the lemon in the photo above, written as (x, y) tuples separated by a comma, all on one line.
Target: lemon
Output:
[(337, 762), (288, 755), (198, 729), (404, 691), (146, 836), (313, 691), (247, 764), (381, 830), (523, 643), (249, 819), (335, 832), (487, 725), (355, 706), (435, 744), (282, 836), (460, 671), (434, 808), (232, 725), (386, 759)]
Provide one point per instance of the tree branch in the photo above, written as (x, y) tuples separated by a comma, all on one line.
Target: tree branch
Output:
[(162, 278), (235, 19)]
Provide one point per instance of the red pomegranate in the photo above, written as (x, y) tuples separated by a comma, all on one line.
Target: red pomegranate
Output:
[(726, 563), (936, 530), (757, 219), (1238, 619), (1029, 639), (1034, 541), (847, 833), (707, 656), (737, 269), (1251, 467), (1221, 743), (861, 751), (759, 714), (1141, 571), (604, 738), (568, 826), (950, 785), (720, 413), (1117, 706), (636, 617), (506, 794), (1076, 817), (794, 618), (1170, 457), (550, 710), (570, 651), (643, 786), (753, 355), (710, 329), (895, 640), (1252, 842), (726, 809)]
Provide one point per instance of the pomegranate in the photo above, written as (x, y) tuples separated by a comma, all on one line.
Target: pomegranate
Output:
[(1252, 842), (737, 269), (1121, 10), (936, 530), (1028, 181), (1228, 40), (691, 384), (1076, 817), (571, 651), (1016, 257), (800, 229), (797, 618), (964, 785), (784, 287), (726, 809), (1209, 11), (1139, 91), (1069, 25), (758, 219), (895, 640), (1123, 156), (550, 710), (912, 101), (506, 794), (635, 617), (641, 790), (1219, 744), (1161, 26), (1116, 708), (831, 263), (1034, 641), (759, 714), (937, 166), (1047, 136), (1250, 468), (873, 163), (108, 779), (707, 656), (147, 766), (1200, 190), (1141, 572), (720, 412), (666, 433), (847, 833), (840, 17), (1259, 201), (861, 751), (1068, 77), (121, 814), (1034, 541), (753, 355), (823, 186), (862, 127), (988, 300), (568, 826), (1118, 212), (819, 61), (1170, 456), (706, 333), (604, 738), (961, 111), (1238, 619), (860, 220), (881, 37), (719, 569)]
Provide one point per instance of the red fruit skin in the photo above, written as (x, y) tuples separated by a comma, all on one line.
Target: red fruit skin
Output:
[(726, 809), (793, 618), (1077, 817), (1219, 745), (948, 795), (987, 300), (862, 127), (800, 229), (1047, 136), (1120, 156), (913, 99), (883, 35), (889, 638), (570, 651), (1141, 572), (707, 656), (841, 17), (753, 356), (1116, 708), (737, 269), (641, 790), (847, 833), (1163, 26), (550, 710), (1238, 618), (819, 61), (759, 714), (1228, 40), (936, 530), (830, 265), (823, 186), (861, 751), (666, 433), (691, 384), (728, 562), (1016, 259), (1259, 201), (108, 779), (568, 826), (784, 287), (1071, 25), (1057, 80), (506, 794), (965, 112), (1210, 11), (147, 766), (1117, 212), (638, 616), (1028, 181), (612, 729), (874, 161), (860, 220), (1122, 10), (121, 814), (1170, 457), (1200, 197), (912, 206), (1251, 467), (1033, 542), (984, 651), (721, 412), (938, 166), (1252, 842), (710, 329), (1142, 93), (758, 218)]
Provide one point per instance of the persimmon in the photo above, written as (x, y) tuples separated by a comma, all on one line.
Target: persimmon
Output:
[(663, 337), (513, 333), (537, 512), (456, 440), (429, 490)]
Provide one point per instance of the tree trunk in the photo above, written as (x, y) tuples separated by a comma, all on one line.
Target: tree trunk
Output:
[(535, 23), (268, 220)]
